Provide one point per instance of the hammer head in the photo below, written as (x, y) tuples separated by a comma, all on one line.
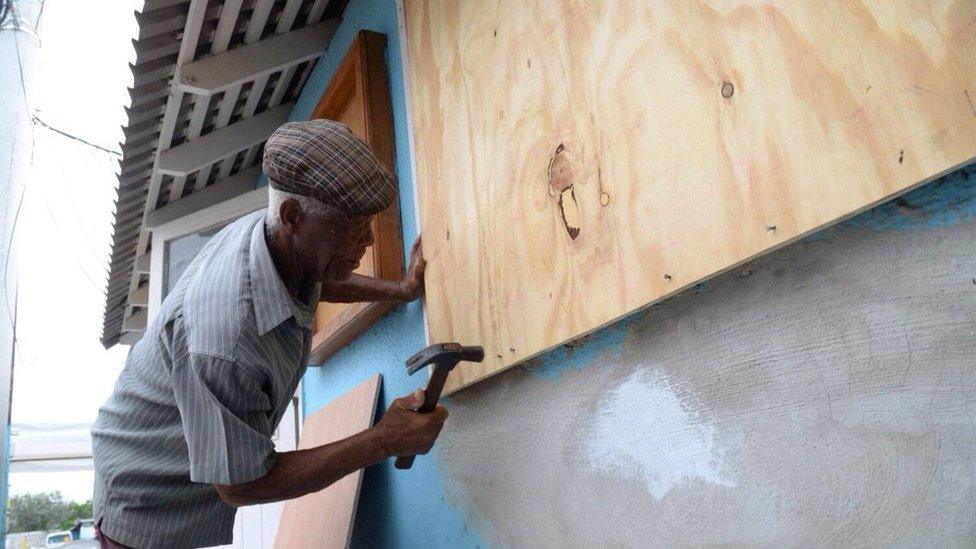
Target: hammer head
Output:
[(444, 355)]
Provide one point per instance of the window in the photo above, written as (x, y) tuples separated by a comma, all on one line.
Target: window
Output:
[(176, 242), (180, 252)]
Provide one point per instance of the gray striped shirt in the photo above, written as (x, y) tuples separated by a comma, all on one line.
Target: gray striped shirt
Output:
[(200, 396)]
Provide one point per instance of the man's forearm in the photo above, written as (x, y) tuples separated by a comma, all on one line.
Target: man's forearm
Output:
[(359, 288), (301, 472)]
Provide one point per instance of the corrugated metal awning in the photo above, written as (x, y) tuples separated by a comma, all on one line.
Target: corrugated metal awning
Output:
[(182, 92)]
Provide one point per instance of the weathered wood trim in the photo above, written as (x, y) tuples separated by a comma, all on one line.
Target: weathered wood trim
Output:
[(182, 160), (219, 72), (236, 185)]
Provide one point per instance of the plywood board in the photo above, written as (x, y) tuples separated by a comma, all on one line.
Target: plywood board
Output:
[(324, 519), (577, 161)]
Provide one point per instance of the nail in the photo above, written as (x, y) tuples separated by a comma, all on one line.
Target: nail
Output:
[(727, 90)]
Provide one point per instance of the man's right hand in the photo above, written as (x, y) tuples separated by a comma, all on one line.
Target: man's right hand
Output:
[(405, 432), (402, 431)]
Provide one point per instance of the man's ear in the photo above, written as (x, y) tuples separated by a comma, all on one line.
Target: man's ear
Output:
[(291, 215)]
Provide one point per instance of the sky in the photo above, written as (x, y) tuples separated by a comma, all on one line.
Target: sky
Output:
[(61, 372)]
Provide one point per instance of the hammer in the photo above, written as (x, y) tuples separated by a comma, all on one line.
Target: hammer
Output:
[(444, 357)]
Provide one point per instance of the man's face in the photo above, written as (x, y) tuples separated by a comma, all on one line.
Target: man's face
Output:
[(332, 246)]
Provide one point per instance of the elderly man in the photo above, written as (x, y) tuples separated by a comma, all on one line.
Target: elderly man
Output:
[(185, 437)]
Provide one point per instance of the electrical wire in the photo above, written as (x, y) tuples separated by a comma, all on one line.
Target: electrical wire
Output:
[(40, 122), (54, 218), (66, 192)]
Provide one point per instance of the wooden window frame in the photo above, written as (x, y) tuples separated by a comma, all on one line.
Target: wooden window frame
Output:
[(364, 68)]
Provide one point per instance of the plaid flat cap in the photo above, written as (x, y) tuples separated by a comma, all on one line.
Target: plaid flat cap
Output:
[(325, 160)]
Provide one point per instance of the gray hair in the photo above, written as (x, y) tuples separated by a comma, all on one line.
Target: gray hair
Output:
[(308, 205)]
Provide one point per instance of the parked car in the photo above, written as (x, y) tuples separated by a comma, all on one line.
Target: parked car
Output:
[(82, 544), (57, 539), (83, 529)]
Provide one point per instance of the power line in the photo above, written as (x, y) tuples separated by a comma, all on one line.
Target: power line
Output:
[(74, 209), (37, 120), (54, 218)]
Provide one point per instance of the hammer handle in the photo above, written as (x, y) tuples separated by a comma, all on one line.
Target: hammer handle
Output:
[(431, 395), (404, 462)]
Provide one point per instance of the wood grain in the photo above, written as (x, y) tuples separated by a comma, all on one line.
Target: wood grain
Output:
[(324, 519), (577, 161), (358, 96)]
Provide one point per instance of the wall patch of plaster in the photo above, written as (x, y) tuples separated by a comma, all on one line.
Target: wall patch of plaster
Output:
[(644, 431)]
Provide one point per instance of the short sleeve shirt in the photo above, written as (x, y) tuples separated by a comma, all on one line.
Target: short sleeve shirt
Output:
[(200, 396)]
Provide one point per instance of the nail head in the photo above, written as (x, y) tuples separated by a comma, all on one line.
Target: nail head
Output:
[(727, 90)]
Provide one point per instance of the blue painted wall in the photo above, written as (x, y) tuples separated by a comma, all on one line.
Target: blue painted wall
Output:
[(396, 508), (410, 509)]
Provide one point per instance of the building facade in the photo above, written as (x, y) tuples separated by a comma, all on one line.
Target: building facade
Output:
[(822, 394)]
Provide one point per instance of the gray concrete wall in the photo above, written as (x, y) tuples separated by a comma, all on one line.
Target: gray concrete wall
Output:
[(824, 395)]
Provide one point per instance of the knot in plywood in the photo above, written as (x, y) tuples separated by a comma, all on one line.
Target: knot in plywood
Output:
[(561, 181)]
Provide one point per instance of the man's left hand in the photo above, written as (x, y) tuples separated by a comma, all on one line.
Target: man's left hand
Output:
[(412, 285), (358, 288)]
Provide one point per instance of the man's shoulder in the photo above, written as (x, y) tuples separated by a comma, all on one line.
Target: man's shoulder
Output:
[(217, 305)]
